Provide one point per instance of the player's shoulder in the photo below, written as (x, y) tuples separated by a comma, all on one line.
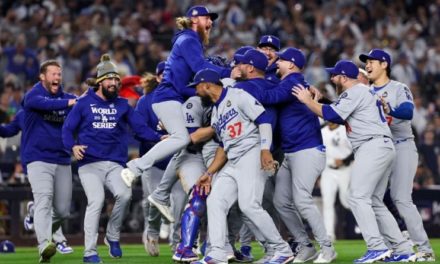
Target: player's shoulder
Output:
[(397, 85), (193, 102)]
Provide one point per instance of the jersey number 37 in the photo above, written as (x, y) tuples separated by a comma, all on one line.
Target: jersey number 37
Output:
[(234, 130)]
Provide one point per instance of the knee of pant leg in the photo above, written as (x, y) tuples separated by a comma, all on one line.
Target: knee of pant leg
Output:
[(124, 196), (302, 200)]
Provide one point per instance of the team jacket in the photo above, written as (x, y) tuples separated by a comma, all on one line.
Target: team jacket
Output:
[(103, 127), (43, 120), (185, 60), (299, 127), (271, 73)]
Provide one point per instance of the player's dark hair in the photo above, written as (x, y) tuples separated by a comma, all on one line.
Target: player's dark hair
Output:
[(388, 70), (92, 83), (46, 64)]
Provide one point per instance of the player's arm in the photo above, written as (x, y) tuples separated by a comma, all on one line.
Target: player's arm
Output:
[(13, 128), (203, 185), (202, 134), (69, 128), (40, 102), (404, 111), (140, 127), (322, 110)]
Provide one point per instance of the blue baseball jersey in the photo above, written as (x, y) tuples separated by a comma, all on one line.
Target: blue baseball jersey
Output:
[(102, 125), (186, 59), (298, 125)]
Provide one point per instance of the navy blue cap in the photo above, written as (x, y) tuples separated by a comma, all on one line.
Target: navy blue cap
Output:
[(376, 54), (205, 75), (269, 40), (7, 246), (200, 10), (294, 55), (240, 51), (344, 67), (253, 57), (160, 67)]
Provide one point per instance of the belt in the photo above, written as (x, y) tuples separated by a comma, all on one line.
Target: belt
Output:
[(379, 136), (401, 140)]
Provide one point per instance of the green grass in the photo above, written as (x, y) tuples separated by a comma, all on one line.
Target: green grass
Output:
[(347, 250)]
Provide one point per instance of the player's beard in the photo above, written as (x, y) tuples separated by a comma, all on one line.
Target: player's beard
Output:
[(206, 101), (110, 95), (203, 35), (339, 88)]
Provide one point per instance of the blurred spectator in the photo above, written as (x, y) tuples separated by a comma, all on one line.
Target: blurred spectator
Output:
[(430, 153)]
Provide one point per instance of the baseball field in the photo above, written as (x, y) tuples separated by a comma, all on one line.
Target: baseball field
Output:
[(347, 250)]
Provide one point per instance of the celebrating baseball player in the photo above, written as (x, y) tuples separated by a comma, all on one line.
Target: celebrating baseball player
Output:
[(48, 164), (370, 138), (398, 105), (185, 59), (246, 135), (100, 121)]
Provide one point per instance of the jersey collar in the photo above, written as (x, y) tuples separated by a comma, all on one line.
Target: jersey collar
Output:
[(222, 96)]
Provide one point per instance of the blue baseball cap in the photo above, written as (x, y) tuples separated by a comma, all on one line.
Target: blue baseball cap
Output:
[(7, 246), (344, 67), (200, 10), (376, 54), (160, 67), (205, 75), (240, 51), (294, 55), (253, 57), (269, 40)]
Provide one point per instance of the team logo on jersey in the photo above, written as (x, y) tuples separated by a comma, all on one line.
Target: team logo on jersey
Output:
[(385, 94), (228, 103), (343, 95), (189, 106), (112, 105)]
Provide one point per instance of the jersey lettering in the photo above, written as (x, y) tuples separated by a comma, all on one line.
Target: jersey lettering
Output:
[(235, 130), (379, 107)]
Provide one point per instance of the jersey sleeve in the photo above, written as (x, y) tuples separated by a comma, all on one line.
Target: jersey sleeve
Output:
[(347, 103), (404, 95), (249, 106), (193, 112)]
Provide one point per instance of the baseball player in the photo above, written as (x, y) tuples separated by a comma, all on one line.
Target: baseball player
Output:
[(336, 175), (270, 45), (10, 130), (100, 122), (398, 106), (370, 138), (246, 135), (151, 177), (48, 165), (185, 59), (301, 141)]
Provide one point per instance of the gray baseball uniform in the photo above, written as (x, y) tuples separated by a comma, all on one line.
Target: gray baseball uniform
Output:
[(374, 154), (51, 185), (94, 176), (405, 163), (241, 178)]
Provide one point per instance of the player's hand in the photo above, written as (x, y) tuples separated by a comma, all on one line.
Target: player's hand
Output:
[(317, 95), (267, 162), (78, 151), (203, 185), (303, 95), (339, 163), (235, 73), (72, 102), (385, 106), (164, 137)]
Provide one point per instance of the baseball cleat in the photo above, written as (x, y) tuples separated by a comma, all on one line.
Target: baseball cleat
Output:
[(401, 258), (326, 256), (185, 255), (92, 259), (279, 260), (424, 256), (244, 255), (373, 255), (306, 253), (151, 246), (164, 232), (208, 260), (264, 259), (114, 248), (164, 210), (63, 248), (48, 251), (127, 176)]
